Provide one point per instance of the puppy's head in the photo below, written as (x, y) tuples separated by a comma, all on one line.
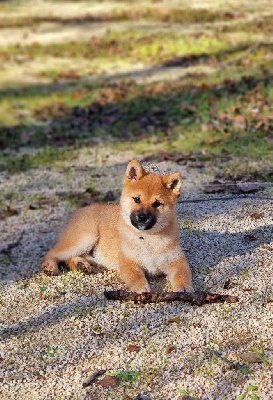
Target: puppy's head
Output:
[(148, 199)]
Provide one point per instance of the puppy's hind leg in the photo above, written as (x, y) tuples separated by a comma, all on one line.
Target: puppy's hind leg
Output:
[(80, 264), (68, 248)]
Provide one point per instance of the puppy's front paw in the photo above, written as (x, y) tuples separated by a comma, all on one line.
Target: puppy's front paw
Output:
[(187, 289), (140, 288), (50, 268)]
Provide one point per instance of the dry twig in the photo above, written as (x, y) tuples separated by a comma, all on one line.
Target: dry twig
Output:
[(92, 378), (234, 197), (196, 298)]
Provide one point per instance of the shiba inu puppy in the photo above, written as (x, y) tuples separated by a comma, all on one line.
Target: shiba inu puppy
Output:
[(138, 236)]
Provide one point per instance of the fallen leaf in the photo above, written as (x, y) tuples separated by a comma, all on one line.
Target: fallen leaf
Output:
[(34, 206), (250, 357), (250, 237), (214, 187), (109, 196), (227, 284), (260, 124), (76, 95), (82, 167), (184, 398), (186, 107), (39, 376), (224, 117), (164, 156), (86, 200), (211, 141), (132, 347), (256, 215), (204, 86), (92, 378), (243, 188), (169, 349), (195, 164), (15, 377), (45, 230), (44, 201), (255, 113), (174, 320), (107, 382), (8, 212), (239, 121), (204, 127)]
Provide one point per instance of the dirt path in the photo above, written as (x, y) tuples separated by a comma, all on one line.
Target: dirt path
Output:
[(57, 331)]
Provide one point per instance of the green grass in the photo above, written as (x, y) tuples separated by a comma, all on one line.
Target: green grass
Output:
[(133, 45), (168, 15), (46, 156), (171, 116), (60, 108)]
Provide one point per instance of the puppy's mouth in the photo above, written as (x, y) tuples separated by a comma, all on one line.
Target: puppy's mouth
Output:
[(142, 221)]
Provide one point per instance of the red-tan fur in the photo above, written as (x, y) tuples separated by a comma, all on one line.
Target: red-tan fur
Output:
[(104, 234)]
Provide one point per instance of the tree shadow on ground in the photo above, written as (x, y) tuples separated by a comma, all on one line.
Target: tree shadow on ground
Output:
[(216, 247), (41, 90), (126, 111), (175, 15)]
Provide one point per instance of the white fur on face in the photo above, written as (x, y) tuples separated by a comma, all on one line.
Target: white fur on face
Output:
[(126, 211), (162, 220)]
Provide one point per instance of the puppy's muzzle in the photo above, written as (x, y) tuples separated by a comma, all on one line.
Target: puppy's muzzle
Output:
[(143, 220)]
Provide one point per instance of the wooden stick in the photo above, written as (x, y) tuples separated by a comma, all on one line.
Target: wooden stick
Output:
[(92, 378), (196, 298), (249, 196)]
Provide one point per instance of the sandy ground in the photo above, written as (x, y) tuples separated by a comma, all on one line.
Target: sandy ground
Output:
[(56, 331)]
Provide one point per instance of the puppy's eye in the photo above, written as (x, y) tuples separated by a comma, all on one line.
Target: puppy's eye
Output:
[(157, 204), (136, 200)]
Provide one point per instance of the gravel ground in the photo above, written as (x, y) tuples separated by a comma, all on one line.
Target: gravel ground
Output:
[(56, 331)]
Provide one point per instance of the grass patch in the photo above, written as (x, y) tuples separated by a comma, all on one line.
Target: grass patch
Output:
[(260, 24), (133, 45), (44, 157), (225, 118), (162, 14), (219, 111)]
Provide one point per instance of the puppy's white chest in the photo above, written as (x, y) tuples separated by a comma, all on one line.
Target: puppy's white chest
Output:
[(151, 253)]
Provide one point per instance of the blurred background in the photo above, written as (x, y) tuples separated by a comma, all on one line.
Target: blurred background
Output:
[(165, 78)]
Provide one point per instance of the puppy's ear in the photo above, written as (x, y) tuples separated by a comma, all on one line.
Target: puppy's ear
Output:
[(173, 182), (134, 171)]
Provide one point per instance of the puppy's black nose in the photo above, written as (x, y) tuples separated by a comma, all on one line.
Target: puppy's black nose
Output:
[(142, 217), (143, 220)]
